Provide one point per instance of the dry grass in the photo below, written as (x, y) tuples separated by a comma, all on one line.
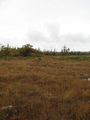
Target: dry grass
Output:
[(44, 89)]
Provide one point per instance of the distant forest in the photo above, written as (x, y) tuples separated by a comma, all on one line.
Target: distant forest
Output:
[(28, 51)]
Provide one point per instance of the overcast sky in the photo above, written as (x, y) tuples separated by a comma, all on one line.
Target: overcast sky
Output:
[(47, 24)]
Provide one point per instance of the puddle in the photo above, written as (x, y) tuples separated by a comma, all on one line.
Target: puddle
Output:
[(9, 107), (88, 79), (85, 74)]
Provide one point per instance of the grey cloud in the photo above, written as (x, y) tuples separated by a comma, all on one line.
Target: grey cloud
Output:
[(76, 41), (1, 1), (53, 30), (45, 40), (75, 38), (37, 36), (38, 39), (55, 40)]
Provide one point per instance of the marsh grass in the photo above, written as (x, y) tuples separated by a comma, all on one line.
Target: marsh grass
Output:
[(44, 89)]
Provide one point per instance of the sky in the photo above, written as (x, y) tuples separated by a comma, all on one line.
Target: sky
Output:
[(46, 24)]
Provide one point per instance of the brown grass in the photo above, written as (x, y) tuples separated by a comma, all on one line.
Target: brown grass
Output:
[(44, 89)]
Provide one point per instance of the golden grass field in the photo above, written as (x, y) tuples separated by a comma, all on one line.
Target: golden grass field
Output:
[(44, 89)]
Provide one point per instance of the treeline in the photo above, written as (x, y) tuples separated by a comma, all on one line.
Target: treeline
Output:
[(28, 51), (24, 51)]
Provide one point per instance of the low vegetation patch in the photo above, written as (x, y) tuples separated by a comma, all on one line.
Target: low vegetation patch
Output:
[(77, 58)]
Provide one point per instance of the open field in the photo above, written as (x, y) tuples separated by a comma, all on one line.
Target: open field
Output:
[(46, 88)]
